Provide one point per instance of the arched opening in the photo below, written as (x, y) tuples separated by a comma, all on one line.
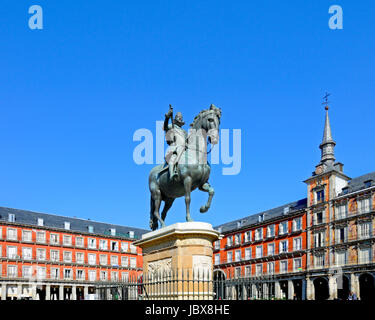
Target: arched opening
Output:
[(321, 289), (284, 289), (219, 284), (367, 287), (297, 284), (343, 287)]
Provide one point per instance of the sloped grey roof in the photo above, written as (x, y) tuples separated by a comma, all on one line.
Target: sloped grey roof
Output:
[(268, 215), (76, 224), (358, 183)]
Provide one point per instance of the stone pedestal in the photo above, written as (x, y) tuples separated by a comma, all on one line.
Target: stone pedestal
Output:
[(177, 261)]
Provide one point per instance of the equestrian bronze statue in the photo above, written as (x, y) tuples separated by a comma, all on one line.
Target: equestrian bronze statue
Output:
[(186, 167)]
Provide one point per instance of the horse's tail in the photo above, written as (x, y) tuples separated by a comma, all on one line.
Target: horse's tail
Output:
[(153, 219)]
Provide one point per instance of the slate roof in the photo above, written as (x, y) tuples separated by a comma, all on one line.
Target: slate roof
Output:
[(358, 183), (271, 214), (76, 224)]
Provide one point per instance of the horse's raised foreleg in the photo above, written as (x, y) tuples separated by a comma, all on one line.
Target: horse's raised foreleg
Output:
[(187, 186), (207, 188), (167, 205)]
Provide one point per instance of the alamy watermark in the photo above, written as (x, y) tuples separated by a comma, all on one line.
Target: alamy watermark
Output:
[(227, 151), (336, 21)]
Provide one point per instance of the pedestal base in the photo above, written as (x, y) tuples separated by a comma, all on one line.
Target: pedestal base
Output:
[(177, 261)]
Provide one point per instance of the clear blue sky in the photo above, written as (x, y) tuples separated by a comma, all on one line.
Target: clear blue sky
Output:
[(72, 95)]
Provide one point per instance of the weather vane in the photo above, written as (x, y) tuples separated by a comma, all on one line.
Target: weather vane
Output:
[(325, 102)]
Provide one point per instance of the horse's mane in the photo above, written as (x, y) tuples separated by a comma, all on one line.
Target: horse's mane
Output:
[(203, 113)]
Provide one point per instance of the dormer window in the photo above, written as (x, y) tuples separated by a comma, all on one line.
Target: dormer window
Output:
[(67, 225), (261, 217), (91, 229), (11, 217), (113, 231), (345, 190), (40, 222), (368, 183)]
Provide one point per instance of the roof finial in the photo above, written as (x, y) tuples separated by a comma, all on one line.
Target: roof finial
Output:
[(325, 102)]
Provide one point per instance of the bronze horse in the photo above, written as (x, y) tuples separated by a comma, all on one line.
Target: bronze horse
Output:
[(193, 169)]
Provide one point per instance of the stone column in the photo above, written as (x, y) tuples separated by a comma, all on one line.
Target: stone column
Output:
[(332, 285), (277, 290), (354, 284), (33, 292), (310, 290), (85, 292), (61, 292), (290, 290), (19, 291), (254, 291), (48, 292), (74, 292), (3, 291), (303, 289)]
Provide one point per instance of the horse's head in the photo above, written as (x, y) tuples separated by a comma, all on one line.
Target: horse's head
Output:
[(209, 121)]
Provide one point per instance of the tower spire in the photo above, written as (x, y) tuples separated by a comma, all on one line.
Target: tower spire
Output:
[(328, 144)]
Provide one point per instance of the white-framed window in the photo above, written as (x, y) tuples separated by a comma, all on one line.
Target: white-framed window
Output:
[(11, 217), (12, 234), (259, 252), (80, 242), (364, 205), (91, 229), (12, 271), (124, 261), (125, 276), (340, 258), (103, 244), (1, 252), (40, 222), (297, 244), (247, 253), (103, 259), (27, 272), (341, 234), (91, 258), (114, 276), (114, 260), (80, 274), (55, 255), (217, 244), (297, 224), (319, 217), (92, 275), (67, 225), (271, 267), (67, 240), (247, 271), (283, 246), (113, 231), (364, 230), (133, 248), (27, 253), (114, 245), (54, 238), (11, 252), (67, 256), (365, 255), (68, 274), (247, 236), (26, 235), (103, 275), (41, 236), (229, 241), (91, 243), (41, 272), (271, 249), (319, 239), (217, 259), (319, 196), (229, 256), (80, 257), (133, 262), (258, 234), (283, 227), (124, 246), (283, 266), (271, 230), (237, 255), (1, 232), (237, 272), (297, 264), (55, 273), (341, 211), (319, 261), (41, 254), (258, 269), (237, 239)]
